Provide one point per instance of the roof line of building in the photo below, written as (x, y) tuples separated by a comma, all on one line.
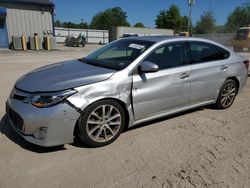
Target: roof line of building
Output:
[(30, 2)]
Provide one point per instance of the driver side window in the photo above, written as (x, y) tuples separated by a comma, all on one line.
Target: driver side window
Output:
[(168, 55)]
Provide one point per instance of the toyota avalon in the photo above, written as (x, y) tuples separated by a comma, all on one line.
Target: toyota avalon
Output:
[(122, 84)]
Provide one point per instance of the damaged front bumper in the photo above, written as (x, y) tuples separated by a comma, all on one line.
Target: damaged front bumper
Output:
[(46, 127)]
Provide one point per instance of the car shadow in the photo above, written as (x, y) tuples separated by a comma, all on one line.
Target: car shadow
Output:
[(8, 131)]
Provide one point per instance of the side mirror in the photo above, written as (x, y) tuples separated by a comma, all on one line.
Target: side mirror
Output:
[(147, 66)]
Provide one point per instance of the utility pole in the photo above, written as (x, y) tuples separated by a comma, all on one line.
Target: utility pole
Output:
[(190, 4)]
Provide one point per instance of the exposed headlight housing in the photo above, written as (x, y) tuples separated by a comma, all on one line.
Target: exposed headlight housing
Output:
[(44, 100)]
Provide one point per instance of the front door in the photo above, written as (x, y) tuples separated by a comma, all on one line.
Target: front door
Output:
[(3, 29), (165, 90)]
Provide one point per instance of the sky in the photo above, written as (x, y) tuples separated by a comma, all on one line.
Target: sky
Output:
[(144, 11)]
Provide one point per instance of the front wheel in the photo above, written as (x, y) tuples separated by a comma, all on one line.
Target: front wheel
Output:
[(227, 94), (101, 123)]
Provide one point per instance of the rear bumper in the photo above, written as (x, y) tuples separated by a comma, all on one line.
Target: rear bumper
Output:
[(58, 121)]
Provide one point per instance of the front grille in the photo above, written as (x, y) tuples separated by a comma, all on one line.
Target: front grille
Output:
[(16, 119)]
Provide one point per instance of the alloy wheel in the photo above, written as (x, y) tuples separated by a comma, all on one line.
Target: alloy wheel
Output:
[(103, 123), (228, 94)]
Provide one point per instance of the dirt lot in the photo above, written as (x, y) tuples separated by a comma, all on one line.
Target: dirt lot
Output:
[(199, 148)]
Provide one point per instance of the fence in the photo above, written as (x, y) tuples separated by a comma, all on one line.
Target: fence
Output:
[(92, 36), (222, 38)]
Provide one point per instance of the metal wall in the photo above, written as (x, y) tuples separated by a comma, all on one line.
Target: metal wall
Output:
[(92, 36), (118, 32), (27, 22), (24, 19), (222, 38)]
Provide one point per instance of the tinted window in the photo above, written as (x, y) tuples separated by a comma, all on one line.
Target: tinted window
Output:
[(168, 55), (203, 52)]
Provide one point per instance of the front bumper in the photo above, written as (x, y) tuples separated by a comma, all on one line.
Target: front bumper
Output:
[(59, 122)]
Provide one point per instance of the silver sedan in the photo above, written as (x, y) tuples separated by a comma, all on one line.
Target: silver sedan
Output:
[(125, 83)]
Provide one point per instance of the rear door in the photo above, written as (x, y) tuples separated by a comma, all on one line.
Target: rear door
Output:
[(165, 90), (208, 70)]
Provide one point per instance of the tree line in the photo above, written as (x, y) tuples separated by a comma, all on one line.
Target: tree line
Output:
[(170, 18)]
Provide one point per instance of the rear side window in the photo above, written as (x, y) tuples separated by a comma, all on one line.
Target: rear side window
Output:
[(200, 52)]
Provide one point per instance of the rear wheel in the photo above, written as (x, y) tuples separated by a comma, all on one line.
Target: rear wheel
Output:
[(227, 94), (101, 123)]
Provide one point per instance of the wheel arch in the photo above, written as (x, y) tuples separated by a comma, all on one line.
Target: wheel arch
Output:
[(120, 102), (236, 81)]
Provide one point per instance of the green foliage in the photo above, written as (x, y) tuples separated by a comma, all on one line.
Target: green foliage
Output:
[(71, 25), (206, 24), (109, 18), (57, 23), (240, 17), (171, 19), (139, 24)]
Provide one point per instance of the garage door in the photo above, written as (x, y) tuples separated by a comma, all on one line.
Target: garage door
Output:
[(3, 29)]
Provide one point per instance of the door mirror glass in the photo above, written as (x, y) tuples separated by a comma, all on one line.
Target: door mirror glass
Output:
[(147, 66)]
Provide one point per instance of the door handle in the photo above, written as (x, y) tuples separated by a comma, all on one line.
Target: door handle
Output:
[(184, 75), (223, 67)]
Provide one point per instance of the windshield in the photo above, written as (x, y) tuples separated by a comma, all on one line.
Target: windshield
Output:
[(242, 34), (118, 55)]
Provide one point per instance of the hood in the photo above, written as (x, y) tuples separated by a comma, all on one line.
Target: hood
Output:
[(61, 76)]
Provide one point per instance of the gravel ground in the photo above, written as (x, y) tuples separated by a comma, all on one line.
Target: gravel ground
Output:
[(199, 148)]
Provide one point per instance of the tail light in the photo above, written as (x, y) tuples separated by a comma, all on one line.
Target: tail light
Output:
[(246, 63)]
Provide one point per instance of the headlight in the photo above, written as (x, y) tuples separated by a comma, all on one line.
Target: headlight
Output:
[(43, 100)]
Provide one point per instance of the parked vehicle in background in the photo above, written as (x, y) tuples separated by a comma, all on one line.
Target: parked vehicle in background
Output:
[(129, 35), (185, 34), (242, 39), (75, 40), (122, 84)]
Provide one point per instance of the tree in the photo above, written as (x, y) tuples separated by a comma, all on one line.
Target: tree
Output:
[(109, 18), (57, 23), (206, 24), (171, 19), (82, 25), (139, 24), (238, 18)]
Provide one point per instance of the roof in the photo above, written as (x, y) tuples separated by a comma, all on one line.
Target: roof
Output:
[(245, 27), (154, 38), (30, 2), (157, 39)]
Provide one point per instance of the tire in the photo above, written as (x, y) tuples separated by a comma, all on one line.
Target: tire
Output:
[(227, 94), (96, 129)]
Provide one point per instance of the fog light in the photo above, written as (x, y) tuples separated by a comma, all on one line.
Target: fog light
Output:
[(40, 133)]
